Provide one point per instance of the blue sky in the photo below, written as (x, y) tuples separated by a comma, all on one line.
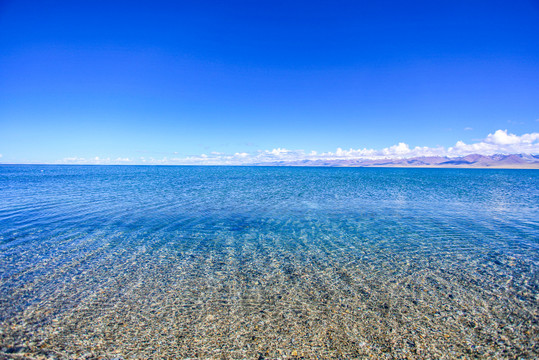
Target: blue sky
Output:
[(158, 82)]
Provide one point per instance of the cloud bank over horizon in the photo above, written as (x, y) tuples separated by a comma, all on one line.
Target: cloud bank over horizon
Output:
[(499, 142)]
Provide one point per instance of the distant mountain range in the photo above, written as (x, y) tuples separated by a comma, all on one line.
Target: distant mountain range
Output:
[(514, 161)]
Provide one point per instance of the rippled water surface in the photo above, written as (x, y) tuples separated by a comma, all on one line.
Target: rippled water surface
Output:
[(247, 262)]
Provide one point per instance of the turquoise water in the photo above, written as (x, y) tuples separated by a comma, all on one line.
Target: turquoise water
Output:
[(256, 262)]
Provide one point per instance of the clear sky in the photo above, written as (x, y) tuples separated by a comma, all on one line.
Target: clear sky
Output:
[(134, 81)]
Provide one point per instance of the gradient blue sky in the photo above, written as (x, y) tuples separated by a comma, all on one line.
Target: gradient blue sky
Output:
[(156, 79)]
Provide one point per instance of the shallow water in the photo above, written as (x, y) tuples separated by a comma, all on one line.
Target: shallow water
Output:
[(252, 262)]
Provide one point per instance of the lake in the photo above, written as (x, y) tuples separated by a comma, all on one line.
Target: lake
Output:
[(268, 262)]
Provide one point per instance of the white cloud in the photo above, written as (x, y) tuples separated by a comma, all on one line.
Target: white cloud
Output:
[(501, 137), (279, 151), (399, 150), (85, 161), (500, 142), (94, 161)]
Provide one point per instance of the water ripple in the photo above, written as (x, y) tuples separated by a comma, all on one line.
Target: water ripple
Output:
[(232, 262)]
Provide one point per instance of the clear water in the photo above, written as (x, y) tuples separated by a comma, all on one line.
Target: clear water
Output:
[(247, 262)]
